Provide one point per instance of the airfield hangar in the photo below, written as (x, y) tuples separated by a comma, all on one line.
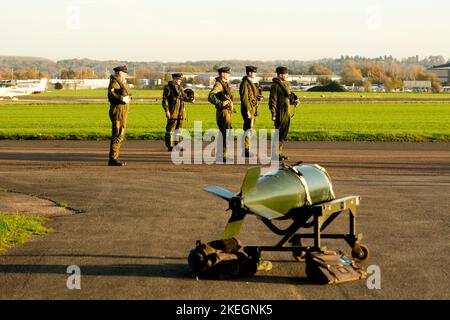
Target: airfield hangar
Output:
[(443, 73)]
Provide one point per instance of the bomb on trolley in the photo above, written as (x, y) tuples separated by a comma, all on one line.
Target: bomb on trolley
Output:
[(302, 194)]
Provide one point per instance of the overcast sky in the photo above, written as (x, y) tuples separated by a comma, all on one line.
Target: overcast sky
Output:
[(180, 30)]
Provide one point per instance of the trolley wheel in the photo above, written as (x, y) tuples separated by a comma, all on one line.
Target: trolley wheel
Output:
[(299, 255), (362, 254)]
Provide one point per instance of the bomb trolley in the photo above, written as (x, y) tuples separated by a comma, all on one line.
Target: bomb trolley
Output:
[(318, 217)]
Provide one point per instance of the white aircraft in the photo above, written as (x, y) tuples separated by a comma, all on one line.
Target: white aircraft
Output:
[(15, 91)]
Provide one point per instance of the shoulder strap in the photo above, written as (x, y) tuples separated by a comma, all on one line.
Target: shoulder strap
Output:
[(225, 86), (173, 89), (252, 85), (282, 86), (122, 85)]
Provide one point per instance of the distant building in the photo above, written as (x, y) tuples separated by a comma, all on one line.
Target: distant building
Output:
[(417, 85), (150, 82), (300, 80), (442, 72), (307, 80), (75, 84), (155, 82), (209, 77), (303, 82), (194, 86), (186, 76)]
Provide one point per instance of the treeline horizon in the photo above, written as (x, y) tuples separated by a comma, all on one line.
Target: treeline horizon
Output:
[(358, 70), (15, 64)]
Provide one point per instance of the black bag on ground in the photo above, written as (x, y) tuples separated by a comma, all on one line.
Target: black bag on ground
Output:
[(222, 259), (332, 267)]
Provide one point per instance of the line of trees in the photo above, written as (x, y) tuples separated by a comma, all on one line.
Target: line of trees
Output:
[(386, 70), (388, 74), (22, 74)]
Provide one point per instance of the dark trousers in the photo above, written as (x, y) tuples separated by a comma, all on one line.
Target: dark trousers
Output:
[(118, 115), (172, 125), (223, 119), (248, 125), (283, 127)]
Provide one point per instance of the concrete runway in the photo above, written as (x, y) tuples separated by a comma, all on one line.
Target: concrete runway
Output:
[(133, 227)]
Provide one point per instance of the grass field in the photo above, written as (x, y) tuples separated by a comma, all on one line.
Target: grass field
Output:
[(101, 93), (17, 229), (376, 121)]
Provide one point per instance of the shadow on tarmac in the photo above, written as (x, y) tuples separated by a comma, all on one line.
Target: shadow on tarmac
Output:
[(169, 270)]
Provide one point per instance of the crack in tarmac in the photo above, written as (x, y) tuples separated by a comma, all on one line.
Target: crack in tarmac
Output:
[(57, 204)]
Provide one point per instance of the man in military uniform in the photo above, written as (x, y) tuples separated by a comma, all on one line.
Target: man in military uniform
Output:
[(280, 107), (221, 97), (173, 104), (250, 96), (119, 97)]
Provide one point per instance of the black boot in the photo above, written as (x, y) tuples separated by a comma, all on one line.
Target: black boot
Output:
[(115, 163), (248, 154)]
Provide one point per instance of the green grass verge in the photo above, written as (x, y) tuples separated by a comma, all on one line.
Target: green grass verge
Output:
[(376, 121), (17, 229)]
